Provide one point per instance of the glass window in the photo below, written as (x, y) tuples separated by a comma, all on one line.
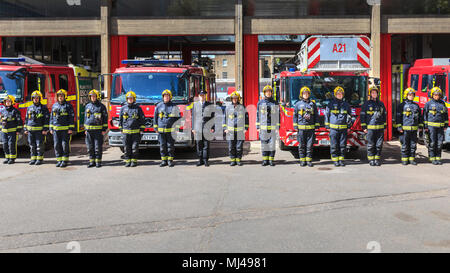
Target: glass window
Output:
[(11, 84), (149, 86), (49, 8), (415, 81), (224, 75), (441, 82), (225, 63), (401, 7), (63, 82), (35, 82)]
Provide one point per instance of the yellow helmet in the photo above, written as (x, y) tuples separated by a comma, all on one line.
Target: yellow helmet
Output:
[(338, 89), (267, 88), (95, 92), (435, 89), (36, 94), (167, 92), (62, 91), (236, 94), (374, 88), (408, 91), (11, 98), (130, 94), (303, 89)]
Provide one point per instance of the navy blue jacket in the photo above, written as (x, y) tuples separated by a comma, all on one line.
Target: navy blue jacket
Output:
[(306, 116), (373, 115), (435, 114), (11, 121), (37, 118), (338, 115), (166, 114), (95, 116), (131, 119)]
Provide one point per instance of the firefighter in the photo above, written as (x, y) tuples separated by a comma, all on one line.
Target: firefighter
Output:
[(61, 126), (166, 115), (408, 121), (373, 122), (435, 115), (37, 120), (267, 124), (95, 124), (202, 112), (338, 120), (235, 124), (306, 120), (11, 127), (132, 125)]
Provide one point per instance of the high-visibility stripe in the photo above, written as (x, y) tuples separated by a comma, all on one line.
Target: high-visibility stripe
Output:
[(308, 159), (9, 130), (59, 128), (335, 158), (405, 159), (435, 124), (170, 158), (163, 158), (65, 158), (306, 127), (265, 158), (410, 128), (302, 159), (40, 157), (375, 127), (377, 157), (93, 127), (271, 158), (233, 159), (411, 159), (135, 131), (134, 160), (268, 127), (370, 157), (33, 157), (238, 160), (166, 130), (338, 126), (32, 128), (341, 158)]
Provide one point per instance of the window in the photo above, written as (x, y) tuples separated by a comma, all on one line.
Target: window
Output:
[(415, 81), (224, 75), (35, 82), (427, 83), (53, 85), (63, 82), (224, 62)]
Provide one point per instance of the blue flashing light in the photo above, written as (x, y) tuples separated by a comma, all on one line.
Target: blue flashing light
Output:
[(291, 69), (11, 60), (153, 62)]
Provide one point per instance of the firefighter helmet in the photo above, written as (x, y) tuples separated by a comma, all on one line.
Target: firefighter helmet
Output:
[(9, 97), (267, 88), (167, 92), (130, 94), (434, 90), (36, 94), (408, 91), (374, 88), (236, 94), (338, 89), (303, 89), (63, 92), (96, 93)]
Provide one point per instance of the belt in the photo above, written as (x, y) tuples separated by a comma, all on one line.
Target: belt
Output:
[(338, 126)]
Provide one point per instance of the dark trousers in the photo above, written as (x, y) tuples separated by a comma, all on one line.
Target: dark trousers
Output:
[(338, 144), (436, 142), (268, 144), (61, 140), (131, 146), (94, 143), (166, 146), (37, 146), (235, 145), (202, 149), (305, 140), (10, 145), (374, 143), (409, 145)]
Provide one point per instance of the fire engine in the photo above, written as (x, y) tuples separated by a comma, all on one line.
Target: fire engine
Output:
[(324, 63), (21, 76), (148, 78), (426, 74)]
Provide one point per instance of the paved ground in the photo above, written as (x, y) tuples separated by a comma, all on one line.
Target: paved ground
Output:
[(223, 209)]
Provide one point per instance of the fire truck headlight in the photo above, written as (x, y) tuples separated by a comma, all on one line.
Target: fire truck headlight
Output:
[(115, 122)]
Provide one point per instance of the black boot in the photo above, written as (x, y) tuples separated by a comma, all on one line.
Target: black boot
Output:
[(133, 164), (11, 161), (58, 164), (6, 161), (310, 164), (439, 162), (233, 163), (413, 162), (272, 163), (336, 164), (200, 163), (404, 163), (91, 164), (63, 164), (341, 163), (265, 163), (38, 162), (163, 163), (98, 164), (206, 163), (239, 163), (372, 163), (377, 162), (32, 162), (171, 163)]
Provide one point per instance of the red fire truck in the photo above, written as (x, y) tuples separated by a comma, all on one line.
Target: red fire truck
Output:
[(324, 63), (19, 77), (148, 78), (427, 73)]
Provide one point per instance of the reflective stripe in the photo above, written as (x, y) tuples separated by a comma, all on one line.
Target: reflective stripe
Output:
[(410, 128), (271, 158), (308, 159), (335, 158), (98, 160), (169, 158), (435, 124), (9, 130), (164, 158), (31, 128), (306, 127), (238, 160), (127, 160), (405, 159), (135, 131), (33, 157), (166, 130), (265, 158), (375, 127), (411, 159), (93, 127), (59, 159), (377, 157), (40, 157), (338, 126), (134, 160), (59, 128), (370, 157), (65, 158), (432, 158), (302, 159), (233, 159), (341, 158)]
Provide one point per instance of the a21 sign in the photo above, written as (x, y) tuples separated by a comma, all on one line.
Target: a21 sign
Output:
[(338, 49)]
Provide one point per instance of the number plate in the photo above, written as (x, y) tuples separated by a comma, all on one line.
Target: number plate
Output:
[(324, 142), (149, 137)]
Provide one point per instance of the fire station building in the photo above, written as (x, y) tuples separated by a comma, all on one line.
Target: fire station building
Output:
[(101, 33)]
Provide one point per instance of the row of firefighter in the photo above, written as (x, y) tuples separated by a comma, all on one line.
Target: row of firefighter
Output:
[(210, 122)]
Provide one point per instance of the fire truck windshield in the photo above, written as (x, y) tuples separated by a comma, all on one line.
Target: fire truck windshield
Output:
[(11, 85), (149, 86), (322, 88)]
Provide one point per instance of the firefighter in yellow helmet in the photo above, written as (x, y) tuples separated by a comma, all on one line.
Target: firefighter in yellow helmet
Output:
[(408, 121), (132, 125), (373, 122), (435, 115), (306, 120), (235, 124), (11, 126), (338, 120), (165, 123), (37, 120), (61, 125), (95, 124), (267, 124)]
